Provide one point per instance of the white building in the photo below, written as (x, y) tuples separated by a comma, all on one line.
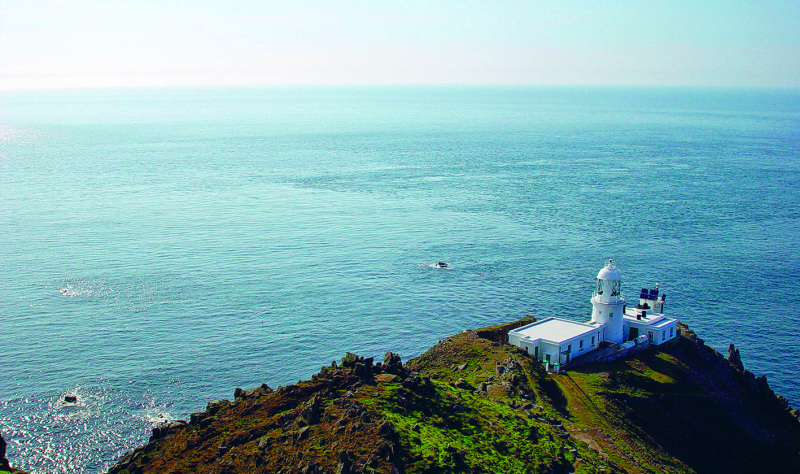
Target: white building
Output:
[(557, 341)]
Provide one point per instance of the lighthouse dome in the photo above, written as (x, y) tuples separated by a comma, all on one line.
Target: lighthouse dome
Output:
[(610, 272)]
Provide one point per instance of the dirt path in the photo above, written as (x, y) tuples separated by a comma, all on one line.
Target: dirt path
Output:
[(602, 436)]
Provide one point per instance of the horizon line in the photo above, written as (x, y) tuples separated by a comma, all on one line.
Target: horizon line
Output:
[(397, 84)]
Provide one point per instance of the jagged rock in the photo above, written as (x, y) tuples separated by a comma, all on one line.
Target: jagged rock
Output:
[(215, 405), (3, 460), (763, 386), (349, 360), (734, 357), (392, 363), (206, 422), (71, 398), (362, 367), (311, 412), (195, 418), (167, 429), (238, 393)]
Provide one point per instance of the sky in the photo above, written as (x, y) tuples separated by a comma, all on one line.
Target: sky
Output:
[(114, 43)]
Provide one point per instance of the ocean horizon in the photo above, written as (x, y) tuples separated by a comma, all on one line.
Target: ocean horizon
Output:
[(161, 247)]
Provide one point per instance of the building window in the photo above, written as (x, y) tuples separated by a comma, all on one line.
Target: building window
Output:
[(599, 286), (581, 345), (672, 331), (650, 336), (569, 348), (663, 335), (592, 341)]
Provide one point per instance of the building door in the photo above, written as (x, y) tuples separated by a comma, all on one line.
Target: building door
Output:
[(634, 333), (536, 352)]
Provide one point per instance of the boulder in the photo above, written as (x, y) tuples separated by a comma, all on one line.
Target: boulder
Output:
[(462, 384), (385, 378), (167, 429), (196, 418)]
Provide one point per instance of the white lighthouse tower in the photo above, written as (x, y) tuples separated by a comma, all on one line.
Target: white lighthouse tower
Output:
[(608, 303)]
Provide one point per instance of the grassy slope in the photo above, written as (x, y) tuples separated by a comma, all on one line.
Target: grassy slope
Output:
[(474, 404), (509, 426), (681, 408)]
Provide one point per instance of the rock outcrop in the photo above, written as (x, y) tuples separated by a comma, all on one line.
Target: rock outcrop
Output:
[(4, 465)]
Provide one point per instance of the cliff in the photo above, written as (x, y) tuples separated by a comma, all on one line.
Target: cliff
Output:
[(473, 403)]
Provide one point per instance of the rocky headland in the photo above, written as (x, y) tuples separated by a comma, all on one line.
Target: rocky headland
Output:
[(473, 403)]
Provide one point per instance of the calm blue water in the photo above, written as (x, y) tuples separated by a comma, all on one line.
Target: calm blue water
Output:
[(159, 248)]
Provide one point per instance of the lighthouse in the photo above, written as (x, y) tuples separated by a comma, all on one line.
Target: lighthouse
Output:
[(559, 342), (608, 303)]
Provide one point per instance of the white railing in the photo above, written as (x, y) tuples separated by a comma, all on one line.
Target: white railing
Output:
[(619, 297)]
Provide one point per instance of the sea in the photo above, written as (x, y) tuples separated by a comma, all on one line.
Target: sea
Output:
[(161, 247)]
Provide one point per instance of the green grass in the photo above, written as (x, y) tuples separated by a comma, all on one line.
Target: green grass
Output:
[(493, 436)]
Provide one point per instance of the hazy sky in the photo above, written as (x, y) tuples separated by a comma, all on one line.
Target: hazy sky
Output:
[(88, 43)]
